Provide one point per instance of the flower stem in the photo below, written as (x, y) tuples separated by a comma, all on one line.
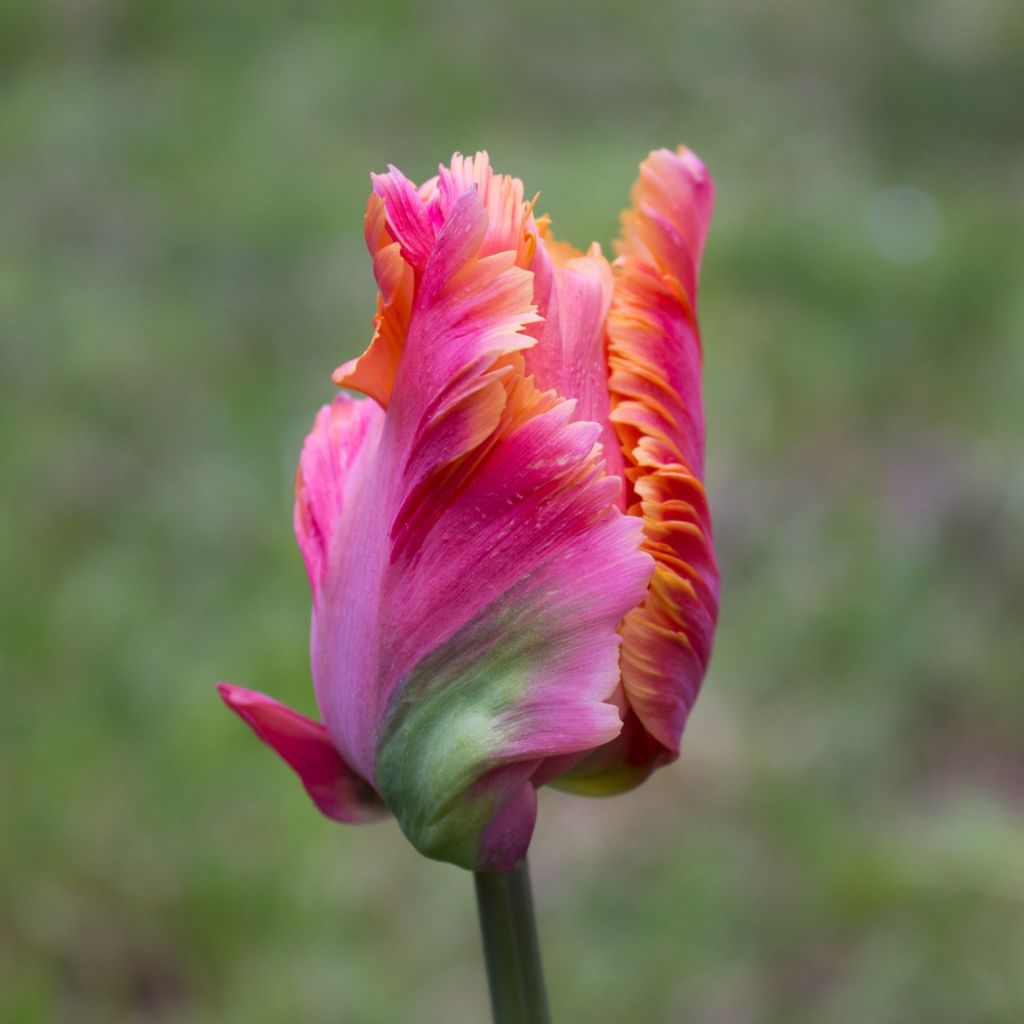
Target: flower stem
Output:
[(511, 949)]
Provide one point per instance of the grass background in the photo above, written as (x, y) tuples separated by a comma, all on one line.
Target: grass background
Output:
[(181, 267)]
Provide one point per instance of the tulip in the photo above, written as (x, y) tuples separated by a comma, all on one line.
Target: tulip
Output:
[(507, 537)]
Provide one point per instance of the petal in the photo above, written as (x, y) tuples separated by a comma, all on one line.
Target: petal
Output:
[(618, 766), (573, 293), (401, 226), (411, 220), (672, 205), (655, 358), (502, 198), (466, 631), (333, 456), (373, 373), (304, 744), (655, 352), (552, 567)]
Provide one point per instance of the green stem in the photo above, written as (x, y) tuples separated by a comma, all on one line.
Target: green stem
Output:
[(511, 949)]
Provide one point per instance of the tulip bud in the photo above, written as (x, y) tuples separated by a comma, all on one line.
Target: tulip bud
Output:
[(507, 538)]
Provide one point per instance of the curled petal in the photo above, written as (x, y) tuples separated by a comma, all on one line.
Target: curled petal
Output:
[(373, 373), (304, 744), (668, 224)]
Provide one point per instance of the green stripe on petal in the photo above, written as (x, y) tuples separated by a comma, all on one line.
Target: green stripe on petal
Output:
[(446, 731)]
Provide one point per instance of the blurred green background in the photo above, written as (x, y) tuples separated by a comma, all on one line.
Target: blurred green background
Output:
[(181, 267)]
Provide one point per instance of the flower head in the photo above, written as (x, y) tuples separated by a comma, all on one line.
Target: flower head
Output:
[(507, 538)]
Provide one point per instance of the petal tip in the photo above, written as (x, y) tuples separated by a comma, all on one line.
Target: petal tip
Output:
[(305, 746)]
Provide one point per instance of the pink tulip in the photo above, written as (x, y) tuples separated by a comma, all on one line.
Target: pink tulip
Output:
[(507, 540)]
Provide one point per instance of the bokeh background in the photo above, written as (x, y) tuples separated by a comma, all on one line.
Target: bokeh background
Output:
[(181, 266)]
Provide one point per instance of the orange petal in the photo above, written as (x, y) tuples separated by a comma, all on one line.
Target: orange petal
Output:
[(655, 359), (373, 373)]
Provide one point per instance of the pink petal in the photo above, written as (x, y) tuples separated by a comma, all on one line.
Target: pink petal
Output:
[(502, 198), (411, 221), (573, 296), (466, 626), (304, 744), (335, 454)]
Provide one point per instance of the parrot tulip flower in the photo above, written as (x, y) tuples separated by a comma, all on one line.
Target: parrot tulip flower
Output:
[(507, 537)]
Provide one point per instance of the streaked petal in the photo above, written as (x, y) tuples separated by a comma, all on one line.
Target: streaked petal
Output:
[(573, 293), (672, 205), (502, 198), (304, 744), (655, 359), (411, 220), (467, 630), (550, 565)]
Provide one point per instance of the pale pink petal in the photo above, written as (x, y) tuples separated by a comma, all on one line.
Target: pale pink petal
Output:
[(335, 452), (573, 297)]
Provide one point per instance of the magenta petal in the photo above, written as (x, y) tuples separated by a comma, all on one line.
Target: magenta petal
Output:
[(304, 744), (466, 630), (506, 837), (412, 222)]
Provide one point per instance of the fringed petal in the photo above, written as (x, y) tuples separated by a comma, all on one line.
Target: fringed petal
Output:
[(373, 373), (502, 198), (486, 619), (573, 293), (655, 359), (466, 633)]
